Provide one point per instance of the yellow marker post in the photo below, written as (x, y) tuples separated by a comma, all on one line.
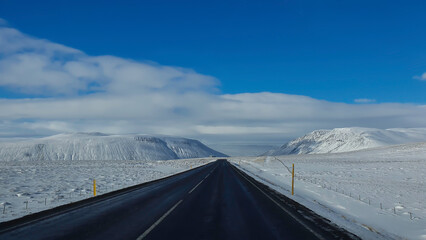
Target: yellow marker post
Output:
[(94, 187), (292, 181)]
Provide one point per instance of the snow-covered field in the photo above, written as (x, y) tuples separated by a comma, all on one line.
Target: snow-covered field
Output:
[(46, 184), (375, 193), (37, 174)]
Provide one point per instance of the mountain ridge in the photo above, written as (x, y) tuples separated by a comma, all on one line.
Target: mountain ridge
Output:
[(348, 139), (100, 146)]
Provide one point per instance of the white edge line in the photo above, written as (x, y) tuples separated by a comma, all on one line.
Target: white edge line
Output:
[(158, 222), (285, 210)]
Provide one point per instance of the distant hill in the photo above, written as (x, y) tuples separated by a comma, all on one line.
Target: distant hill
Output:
[(348, 139), (99, 146)]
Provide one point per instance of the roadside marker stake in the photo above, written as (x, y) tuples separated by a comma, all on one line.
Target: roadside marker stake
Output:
[(292, 181), (94, 187)]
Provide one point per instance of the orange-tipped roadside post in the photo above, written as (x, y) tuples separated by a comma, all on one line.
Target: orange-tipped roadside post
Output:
[(94, 187)]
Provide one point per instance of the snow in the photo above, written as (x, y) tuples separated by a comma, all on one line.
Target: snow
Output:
[(99, 146), (349, 139), (376, 193), (45, 184), (56, 170), (370, 192)]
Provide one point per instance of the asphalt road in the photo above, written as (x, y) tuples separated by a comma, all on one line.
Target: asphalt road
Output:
[(215, 201)]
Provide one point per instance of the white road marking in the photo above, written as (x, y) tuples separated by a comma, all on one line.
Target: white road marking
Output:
[(168, 212), (158, 221), (285, 210), (195, 186)]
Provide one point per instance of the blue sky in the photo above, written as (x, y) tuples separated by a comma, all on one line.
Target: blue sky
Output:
[(224, 72), (333, 50)]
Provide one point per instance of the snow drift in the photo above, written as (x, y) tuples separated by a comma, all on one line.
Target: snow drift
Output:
[(99, 146), (348, 139)]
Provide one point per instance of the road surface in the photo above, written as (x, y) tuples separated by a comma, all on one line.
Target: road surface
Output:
[(215, 201)]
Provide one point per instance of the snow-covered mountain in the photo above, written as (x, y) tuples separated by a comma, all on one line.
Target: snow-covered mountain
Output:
[(348, 139), (99, 146)]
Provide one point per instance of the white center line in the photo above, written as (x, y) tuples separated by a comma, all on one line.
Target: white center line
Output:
[(196, 186), (167, 213), (158, 221)]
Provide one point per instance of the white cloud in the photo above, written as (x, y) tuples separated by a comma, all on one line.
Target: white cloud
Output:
[(364, 100), (116, 95), (35, 66), (227, 130), (421, 77)]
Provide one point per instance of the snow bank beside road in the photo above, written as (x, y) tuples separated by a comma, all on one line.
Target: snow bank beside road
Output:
[(375, 193), (47, 184)]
